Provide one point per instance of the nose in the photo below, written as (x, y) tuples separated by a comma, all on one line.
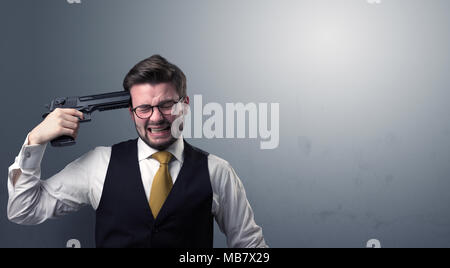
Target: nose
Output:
[(156, 116)]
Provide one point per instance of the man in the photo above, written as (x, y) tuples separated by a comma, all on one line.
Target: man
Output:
[(154, 191)]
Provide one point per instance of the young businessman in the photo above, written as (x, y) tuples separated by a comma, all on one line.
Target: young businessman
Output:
[(153, 191)]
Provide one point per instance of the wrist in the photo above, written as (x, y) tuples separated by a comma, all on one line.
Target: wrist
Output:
[(32, 140)]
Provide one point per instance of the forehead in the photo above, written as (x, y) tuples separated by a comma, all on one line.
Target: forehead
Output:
[(152, 94)]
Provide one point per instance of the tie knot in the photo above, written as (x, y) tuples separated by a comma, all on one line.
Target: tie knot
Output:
[(162, 157)]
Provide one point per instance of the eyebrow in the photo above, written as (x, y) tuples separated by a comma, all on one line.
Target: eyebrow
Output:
[(160, 103)]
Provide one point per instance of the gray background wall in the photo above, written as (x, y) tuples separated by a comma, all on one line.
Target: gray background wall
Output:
[(363, 90)]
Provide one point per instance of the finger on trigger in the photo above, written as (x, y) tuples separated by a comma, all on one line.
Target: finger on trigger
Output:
[(78, 114), (81, 115)]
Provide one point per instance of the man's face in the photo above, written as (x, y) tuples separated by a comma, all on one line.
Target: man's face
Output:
[(155, 131)]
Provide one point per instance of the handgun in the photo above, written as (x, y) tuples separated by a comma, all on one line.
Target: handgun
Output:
[(87, 105)]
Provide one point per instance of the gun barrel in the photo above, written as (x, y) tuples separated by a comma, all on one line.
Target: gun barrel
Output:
[(89, 104), (106, 100)]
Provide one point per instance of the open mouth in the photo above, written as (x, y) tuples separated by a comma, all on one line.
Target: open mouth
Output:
[(159, 130)]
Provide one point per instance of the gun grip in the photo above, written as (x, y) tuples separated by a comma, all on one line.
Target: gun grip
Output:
[(63, 141)]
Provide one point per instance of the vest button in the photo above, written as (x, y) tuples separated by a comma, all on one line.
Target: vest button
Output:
[(155, 230)]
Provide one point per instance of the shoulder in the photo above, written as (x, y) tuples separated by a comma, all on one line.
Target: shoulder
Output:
[(100, 154), (219, 163), (102, 151), (221, 171)]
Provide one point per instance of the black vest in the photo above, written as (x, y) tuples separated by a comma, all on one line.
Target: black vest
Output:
[(124, 217)]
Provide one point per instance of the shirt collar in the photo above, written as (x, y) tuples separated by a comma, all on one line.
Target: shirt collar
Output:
[(176, 149)]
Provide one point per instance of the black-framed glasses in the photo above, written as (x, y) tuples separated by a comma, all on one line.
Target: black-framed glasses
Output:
[(165, 108)]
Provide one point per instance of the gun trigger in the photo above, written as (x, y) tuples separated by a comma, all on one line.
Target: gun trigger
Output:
[(87, 117)]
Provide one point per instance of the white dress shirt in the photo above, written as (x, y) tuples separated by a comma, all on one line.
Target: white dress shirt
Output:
[(32, 200)]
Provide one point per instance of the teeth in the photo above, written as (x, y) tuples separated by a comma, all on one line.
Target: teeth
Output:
[(156, 130)]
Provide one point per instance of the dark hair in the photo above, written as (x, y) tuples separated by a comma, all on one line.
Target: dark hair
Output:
[(154, 70)]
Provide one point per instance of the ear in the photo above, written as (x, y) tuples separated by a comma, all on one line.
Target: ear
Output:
[(131, 112), (185, 105)]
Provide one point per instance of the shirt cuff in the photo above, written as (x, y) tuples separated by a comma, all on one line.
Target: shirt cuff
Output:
[(30, 156)]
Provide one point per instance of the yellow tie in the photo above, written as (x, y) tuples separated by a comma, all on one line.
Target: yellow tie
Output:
[(162, 183)]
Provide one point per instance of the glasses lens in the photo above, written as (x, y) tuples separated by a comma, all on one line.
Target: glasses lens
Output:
[(166, 108), (144, 111)]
